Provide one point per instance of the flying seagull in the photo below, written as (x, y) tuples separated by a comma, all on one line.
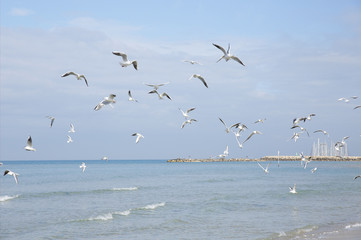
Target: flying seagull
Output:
[(227, 55), (192, 62), (338, 145), (156, 86), (130, 97), (126, 62), (260, 121), (188, 121), (358, 176), (293, 189), (301, 128), (228, 129), (51, 120), (15, 175), (69, 139), (185, 114), (264, 169), (107, 100), (160, 95), (253, 133), (200, 78), (82, 166), (72, 129), (225, 153), (313, 170), (138, 137), (305, 160), (78, 76), (29, 145), (359, 106), (322, 131), (105, 158)]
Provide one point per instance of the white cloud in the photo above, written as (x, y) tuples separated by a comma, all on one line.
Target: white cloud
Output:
[(21, 12)]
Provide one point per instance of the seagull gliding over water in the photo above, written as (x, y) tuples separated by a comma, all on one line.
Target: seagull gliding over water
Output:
[(15, 175)]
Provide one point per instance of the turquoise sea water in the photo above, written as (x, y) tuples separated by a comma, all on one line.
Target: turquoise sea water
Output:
[(159, 200)]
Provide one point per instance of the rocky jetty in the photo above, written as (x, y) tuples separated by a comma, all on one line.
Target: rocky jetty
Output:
[(267, 158)]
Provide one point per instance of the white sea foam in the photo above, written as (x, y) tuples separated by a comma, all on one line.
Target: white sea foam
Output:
[(124, 213), (6, 198), (103, 217), (153, 206), (353, 226), (125, 189), (282, 234)]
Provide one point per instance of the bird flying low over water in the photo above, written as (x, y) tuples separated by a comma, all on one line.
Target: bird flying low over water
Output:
[(338, 145), (160, 96), (78, 76), (15, 175), (29, 145), (131, 97), (82, 166), (358, 176), (138, 137), (227, 55), (200, 78), (313, 170), (293, 189), (264, 169), (105, 158), (51, 120), (126, 62), (106, 101)]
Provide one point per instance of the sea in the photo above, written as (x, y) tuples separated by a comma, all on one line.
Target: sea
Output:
[(154, 199)]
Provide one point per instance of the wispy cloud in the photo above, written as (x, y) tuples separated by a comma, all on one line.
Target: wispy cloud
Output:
[(21, 12)]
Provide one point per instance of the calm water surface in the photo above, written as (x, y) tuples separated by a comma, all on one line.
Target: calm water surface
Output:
[(159, 200)]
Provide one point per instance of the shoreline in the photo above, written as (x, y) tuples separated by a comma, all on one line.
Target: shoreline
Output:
[(267, 158)]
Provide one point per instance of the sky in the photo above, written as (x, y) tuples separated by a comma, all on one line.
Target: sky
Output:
[(300, 57)]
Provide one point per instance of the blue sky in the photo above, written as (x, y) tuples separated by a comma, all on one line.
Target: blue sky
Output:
[(300, 58)]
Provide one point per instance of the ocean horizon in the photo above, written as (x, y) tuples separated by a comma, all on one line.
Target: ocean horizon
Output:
[(153, 199)]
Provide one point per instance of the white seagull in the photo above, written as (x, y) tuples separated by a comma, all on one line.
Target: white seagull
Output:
[(161, 96), (130, 97), (72, 129), (228, 129), (293, 189), (156, 86), (188, 121), (105, 158), (227, 55), (359, 106), (225, 153), (69, 139), (264, 169), (192, 62), (253, 133), (29, 145), (185, 114), (260, 121), (15, 175), (82, 166), (313, 170), (200, 78), (322, 131), (338, 145), (138, 137), (78, 76), (126, 62), (106, 101), (343, 100), (51, 120), (305, 160)]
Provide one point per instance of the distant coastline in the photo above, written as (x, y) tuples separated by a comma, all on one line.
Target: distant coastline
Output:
[(267, 158)]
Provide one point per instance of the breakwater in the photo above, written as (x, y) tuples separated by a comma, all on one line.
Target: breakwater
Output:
[(267, 158)]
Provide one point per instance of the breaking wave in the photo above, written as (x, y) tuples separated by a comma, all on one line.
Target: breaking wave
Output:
[(7, 198)]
